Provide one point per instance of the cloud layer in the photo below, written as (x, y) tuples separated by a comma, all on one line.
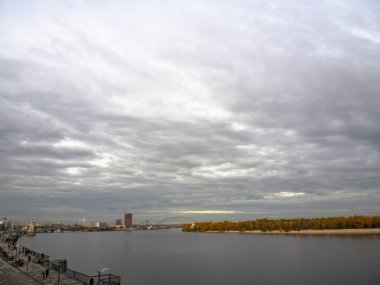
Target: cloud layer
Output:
[(217, 109)]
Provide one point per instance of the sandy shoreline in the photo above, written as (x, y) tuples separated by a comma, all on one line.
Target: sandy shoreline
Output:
[(310, 232)]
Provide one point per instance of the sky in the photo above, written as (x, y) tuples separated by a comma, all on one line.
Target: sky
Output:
[(202, 109)]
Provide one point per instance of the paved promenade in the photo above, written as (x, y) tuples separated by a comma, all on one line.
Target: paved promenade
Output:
[(30, 275), (11, 275)]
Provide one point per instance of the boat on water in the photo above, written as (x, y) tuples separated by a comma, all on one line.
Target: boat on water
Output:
[(31, 228)]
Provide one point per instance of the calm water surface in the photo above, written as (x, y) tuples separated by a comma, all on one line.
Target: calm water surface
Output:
[(165, 257)]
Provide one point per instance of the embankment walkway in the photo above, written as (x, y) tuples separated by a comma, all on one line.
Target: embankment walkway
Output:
[(30, 274)]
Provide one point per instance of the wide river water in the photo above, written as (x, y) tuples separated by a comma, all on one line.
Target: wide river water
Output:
[(165, 257)]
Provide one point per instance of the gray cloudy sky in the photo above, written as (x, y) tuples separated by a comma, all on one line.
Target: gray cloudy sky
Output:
[(207, 109)]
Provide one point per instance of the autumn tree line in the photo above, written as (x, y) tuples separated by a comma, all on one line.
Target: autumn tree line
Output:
[(353, 222)]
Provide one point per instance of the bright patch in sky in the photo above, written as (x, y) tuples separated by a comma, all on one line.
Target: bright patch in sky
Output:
[(212, 212), (70, 144), (366, 34), (75, 170), (290, 194)]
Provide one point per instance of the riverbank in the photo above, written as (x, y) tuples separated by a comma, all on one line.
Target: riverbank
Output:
[(309, 232), (322, 225)]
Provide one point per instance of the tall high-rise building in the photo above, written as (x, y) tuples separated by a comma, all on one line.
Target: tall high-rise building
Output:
[(128, 220)]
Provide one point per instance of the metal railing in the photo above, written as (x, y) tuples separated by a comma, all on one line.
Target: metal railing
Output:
[(36, 257), (109, 279), (104, 279), (77, 276), (60, 266)]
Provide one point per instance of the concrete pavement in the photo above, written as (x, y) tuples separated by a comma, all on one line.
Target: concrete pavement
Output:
[(10, 275), (30, 274)]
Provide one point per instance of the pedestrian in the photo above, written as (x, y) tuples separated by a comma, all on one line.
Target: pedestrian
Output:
[(47, 272), (43, 274), (92, 281)]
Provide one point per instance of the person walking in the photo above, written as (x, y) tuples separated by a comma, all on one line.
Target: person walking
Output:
[(47, 272)]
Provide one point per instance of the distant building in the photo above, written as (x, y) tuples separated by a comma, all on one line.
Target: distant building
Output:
[(3, 223), (128, 220), (118, 222), (31, 227), (100, 225)]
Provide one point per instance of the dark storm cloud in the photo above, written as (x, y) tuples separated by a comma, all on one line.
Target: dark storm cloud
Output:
[(201, 108)]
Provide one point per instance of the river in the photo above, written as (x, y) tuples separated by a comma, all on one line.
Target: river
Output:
[(165, 257)]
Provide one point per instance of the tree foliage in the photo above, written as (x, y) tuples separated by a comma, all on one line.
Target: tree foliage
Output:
[(353, 222)]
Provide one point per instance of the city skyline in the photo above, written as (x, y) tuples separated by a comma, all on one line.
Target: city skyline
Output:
[(213, 110)]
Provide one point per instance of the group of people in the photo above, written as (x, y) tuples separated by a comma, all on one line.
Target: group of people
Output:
[(11, 256), (20, 262), (45, 273)]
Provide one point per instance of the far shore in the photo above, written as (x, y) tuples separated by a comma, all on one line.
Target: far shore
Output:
[(309, 232)]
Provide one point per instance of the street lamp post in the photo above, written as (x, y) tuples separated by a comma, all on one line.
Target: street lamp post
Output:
[(59, 271), (100, 271), (29, 259), (16, 252)]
